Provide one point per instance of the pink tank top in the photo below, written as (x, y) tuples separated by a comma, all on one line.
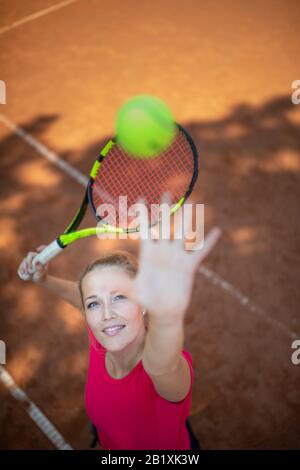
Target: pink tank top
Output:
[(128, 413)]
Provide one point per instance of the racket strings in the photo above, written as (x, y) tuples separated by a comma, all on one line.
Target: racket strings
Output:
[(122, 175)]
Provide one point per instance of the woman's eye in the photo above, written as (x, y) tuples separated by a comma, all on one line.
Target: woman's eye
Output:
[(92, 304), (119, 297)]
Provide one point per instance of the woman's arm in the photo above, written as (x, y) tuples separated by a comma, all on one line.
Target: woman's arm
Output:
[(164, 343), (163, 287), (165, 283), (66, 290), (163, 360)]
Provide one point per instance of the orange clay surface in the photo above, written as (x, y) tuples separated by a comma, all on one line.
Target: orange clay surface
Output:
[(225, 69)]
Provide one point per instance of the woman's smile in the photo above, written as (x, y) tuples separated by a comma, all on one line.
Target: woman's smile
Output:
[(114, 330)]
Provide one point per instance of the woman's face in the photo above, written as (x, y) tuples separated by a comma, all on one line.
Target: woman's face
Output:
[(106, 305)]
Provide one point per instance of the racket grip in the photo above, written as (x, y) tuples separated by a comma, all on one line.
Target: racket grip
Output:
[(48, 253)]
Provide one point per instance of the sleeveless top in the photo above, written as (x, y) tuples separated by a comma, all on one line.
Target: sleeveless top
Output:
[(128, 413)]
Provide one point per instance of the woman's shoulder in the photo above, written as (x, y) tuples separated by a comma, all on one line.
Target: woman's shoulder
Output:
[(187, 355)]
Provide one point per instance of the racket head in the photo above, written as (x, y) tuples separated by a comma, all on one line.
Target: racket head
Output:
[(117, 173)]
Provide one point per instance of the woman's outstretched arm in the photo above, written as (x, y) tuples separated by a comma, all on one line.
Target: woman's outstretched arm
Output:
[(163, 287)]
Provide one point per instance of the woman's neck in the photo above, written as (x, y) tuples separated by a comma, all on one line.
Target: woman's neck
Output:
[(120, 363)]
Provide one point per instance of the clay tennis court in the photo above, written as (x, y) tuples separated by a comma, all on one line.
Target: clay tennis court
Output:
[(226, 70)]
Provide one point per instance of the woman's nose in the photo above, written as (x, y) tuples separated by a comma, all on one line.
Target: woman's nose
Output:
[(108, 312)]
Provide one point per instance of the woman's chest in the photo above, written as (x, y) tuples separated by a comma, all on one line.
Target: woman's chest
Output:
[(121, 403)]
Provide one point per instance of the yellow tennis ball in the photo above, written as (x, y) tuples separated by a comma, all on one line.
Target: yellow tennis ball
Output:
[(145, 126)]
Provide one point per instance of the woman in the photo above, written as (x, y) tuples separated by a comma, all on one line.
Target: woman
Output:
[(139, 383)]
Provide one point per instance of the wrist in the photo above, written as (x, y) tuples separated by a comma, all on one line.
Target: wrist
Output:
[(41, 280)]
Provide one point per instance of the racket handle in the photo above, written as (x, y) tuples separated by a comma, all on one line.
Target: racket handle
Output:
[(48, 253)]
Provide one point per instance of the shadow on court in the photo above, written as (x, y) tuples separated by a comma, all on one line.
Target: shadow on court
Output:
[(245, 393)]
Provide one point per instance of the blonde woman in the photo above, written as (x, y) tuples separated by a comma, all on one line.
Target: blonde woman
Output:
[(139, 382)]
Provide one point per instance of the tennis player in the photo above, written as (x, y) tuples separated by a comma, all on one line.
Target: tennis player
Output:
[(139, 382)]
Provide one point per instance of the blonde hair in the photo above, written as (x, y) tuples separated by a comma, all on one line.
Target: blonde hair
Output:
[(123, 259)]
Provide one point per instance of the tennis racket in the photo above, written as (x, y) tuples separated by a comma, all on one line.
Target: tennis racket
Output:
[(116, 173)]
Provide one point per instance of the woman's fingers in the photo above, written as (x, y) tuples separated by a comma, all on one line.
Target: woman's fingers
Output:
[(31, 255), (161, 230), (26, 263), (166, 198), (183, 225), (26, 271), (144, 228), (39, 267), (22, 267), (165, 217), (179, 226), (209, 243), (143, 219), (23, 270), (23, 275), (154, 232)]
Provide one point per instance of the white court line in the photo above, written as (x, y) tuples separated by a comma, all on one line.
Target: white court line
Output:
[(244, 301), (36, 15), (210, 275), (52, 157), (34, 412)]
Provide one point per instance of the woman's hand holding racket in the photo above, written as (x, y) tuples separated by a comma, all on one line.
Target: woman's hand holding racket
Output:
[(26, 271)]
